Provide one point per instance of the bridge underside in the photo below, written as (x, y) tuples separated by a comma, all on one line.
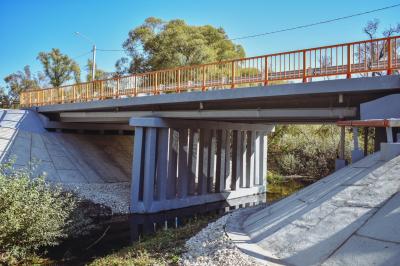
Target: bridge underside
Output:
[(198, 147)]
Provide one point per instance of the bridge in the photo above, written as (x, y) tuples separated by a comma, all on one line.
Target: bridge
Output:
[(200, 132)]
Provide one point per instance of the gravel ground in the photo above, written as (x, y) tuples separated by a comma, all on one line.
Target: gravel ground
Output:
[(211, 246), (113, 195)]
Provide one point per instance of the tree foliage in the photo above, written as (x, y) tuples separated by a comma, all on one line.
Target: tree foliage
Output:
[(21, 81), (58, 67), (158, 44), (32, 214), (99, 73), (4, 98), (372, 27), (307, 150)]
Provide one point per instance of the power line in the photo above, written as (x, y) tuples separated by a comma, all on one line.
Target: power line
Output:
[(111, 50), (315, 23), (275, 31), (76, 57)]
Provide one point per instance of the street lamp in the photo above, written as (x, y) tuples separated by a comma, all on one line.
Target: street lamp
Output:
[(94, 53)]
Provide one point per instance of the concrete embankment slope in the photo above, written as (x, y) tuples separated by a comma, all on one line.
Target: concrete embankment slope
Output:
[(94, 164), (348, 218)]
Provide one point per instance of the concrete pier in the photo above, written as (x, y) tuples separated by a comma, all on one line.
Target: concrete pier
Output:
[(179, 163)]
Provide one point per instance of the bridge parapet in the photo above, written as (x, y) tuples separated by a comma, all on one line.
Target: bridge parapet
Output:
[(346, 59), (179, 163)]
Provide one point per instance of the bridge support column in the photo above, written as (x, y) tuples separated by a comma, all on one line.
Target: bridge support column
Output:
[(181, 163), (356, 154)]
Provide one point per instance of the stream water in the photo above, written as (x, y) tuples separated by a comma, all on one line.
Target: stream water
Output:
[(115, 232)]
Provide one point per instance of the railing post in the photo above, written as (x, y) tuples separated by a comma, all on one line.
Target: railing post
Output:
[(135, 88), (233, 75), (348, 72), (304, 67), (101, 92), (178, 89), (389, 54), (155, 84), (203, 84), (62, 95), (266, 71), (117, 88), (87, 91), (74, 93), (51, 96)]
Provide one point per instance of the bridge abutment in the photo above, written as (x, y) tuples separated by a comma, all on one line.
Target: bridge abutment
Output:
[(180, 163)]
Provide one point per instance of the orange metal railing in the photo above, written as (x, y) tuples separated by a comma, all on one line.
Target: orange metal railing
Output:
[(377, 55)]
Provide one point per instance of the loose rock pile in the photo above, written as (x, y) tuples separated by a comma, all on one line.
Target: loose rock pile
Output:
[(211, 246), (113, 195)]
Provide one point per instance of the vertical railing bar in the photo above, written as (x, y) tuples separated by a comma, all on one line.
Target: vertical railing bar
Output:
[(348, 62), (389, 55), (304, 67)]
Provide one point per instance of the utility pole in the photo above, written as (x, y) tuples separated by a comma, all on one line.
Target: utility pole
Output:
[(94, 63), (94, 53)]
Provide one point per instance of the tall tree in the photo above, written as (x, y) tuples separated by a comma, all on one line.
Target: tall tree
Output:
[(158, 44), (374, 52), (22, 81), (4, 98), (58, 67), (99, 74)]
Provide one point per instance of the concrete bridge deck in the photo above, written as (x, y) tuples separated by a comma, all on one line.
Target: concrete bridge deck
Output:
[(348, 218), (319, 101)]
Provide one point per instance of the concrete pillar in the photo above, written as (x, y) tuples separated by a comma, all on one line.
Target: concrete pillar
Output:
[(183, 171), (182, 163), (172, 163), (356, 154), (380, 137)]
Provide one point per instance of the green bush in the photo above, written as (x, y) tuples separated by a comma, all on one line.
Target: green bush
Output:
[(33, 214), (307, 150)]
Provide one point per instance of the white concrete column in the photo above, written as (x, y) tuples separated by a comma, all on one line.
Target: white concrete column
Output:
[(202, 162), (172, 164), (149, 167), (228, 159), (183, 171), (261, 147), (389, 135), (219, 186), (137, 169), (210, 161), (192, 161), (357, 154), (250, 159), (162, 163), (236, 160)]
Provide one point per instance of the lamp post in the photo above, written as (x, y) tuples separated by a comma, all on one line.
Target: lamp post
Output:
[(94, 53)]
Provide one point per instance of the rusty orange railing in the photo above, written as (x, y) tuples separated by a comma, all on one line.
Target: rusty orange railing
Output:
[(377, 55)]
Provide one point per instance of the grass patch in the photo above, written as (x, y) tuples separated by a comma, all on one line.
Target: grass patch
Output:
[(163, 248)]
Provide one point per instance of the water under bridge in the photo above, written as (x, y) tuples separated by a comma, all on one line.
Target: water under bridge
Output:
[(200, 132)]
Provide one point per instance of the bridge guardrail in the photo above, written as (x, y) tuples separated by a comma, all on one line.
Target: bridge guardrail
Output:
[(376, 55)]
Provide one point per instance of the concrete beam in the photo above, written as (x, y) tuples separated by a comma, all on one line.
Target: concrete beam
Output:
[(87, 126), (234, 114), (182, 123)]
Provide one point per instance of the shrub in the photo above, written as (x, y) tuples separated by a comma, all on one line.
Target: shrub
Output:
[(33, 214), (306, 150)]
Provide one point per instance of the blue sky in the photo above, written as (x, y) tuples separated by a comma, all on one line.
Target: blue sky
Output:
[(28, 27)]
